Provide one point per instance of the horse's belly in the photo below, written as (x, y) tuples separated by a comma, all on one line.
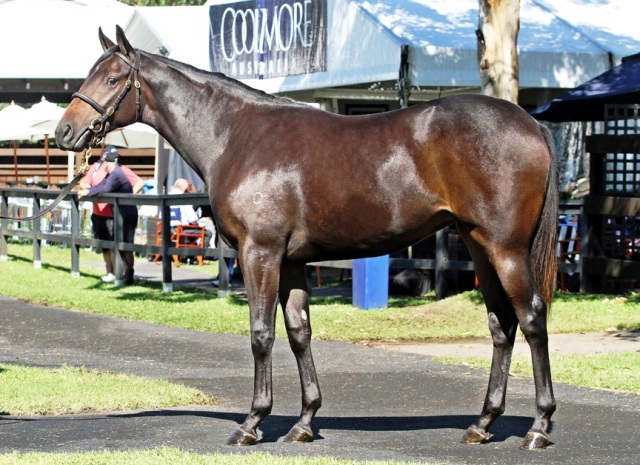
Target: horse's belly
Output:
[(357, 239)]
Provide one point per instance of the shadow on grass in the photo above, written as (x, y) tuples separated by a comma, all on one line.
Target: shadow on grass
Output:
[(45, 266), (151, 291)]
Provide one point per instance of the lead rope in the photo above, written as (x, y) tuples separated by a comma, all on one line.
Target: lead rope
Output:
[(84, 166)]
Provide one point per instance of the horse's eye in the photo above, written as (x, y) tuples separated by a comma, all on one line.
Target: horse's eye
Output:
[(112, 81)]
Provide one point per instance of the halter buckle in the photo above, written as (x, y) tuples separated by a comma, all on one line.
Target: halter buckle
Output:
[(96, 125)]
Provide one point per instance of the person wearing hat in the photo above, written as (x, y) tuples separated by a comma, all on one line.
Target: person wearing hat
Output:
[(107, 175)]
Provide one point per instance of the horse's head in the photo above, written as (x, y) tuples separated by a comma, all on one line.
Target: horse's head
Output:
[(108, 99)]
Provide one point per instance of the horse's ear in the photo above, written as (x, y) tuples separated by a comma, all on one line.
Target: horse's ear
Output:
[(123, 42), (104, 40)]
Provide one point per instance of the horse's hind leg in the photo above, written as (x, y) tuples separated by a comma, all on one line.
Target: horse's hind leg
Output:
[(531, 311), (511, 297), (502, 325), (294, 298)]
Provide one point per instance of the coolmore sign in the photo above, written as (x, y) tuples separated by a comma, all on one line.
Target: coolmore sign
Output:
[(261, 39)]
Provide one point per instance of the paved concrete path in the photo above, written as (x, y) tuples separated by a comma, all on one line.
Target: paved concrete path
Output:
[(559, 344), (378, 403)]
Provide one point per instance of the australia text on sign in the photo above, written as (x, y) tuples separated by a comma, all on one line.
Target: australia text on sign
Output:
[(268, 38)]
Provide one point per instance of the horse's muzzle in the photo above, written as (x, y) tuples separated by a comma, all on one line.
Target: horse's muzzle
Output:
[(66, 138)]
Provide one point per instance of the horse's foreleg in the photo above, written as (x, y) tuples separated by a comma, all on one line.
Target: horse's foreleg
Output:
[(294, 298), (261, 274)]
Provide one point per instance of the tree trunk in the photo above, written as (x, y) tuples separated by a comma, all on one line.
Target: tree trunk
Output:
[(498, 26)]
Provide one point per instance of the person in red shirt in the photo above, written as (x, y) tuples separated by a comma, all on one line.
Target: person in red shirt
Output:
[(102, 216)]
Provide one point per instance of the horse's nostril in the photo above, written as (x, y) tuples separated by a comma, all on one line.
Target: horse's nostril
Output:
[(67, 132)]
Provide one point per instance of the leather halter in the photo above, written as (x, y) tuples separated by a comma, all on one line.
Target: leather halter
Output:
[(100, 126)]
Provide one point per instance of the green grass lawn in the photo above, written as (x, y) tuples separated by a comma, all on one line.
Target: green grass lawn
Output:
[(68, 390), (463, 315), (171, 456), (618, 372)]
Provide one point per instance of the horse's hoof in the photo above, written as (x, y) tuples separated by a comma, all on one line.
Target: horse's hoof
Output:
[(474, 436), (299, 434), (535, 440), (241, 437)]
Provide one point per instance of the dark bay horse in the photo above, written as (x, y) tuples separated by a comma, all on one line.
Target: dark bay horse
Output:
[(290, 184)]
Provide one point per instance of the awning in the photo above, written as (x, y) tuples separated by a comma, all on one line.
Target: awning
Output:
[(619, 85)]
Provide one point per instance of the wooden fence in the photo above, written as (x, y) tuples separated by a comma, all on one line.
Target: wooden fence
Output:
[(65, 225), (39, 167), (611, 236)]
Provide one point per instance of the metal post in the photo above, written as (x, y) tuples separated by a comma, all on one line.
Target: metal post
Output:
[(37, 243), (441, 258), (75, 233), (584, 249), (4, 211), (404, 81), (118, 238), (167, 281)]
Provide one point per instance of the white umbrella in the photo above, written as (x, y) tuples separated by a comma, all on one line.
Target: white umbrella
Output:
[(44, 117), (14, 126), (134, 136)]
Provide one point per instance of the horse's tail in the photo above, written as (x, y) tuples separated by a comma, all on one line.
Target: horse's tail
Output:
[(543, 247)]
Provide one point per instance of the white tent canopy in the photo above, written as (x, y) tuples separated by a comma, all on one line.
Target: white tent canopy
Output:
[(561, 42), (43, 39)]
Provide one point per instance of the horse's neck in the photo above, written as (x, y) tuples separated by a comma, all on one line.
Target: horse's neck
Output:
[(194, 112)]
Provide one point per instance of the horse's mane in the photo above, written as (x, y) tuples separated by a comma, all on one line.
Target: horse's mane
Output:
[(228, 82)]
